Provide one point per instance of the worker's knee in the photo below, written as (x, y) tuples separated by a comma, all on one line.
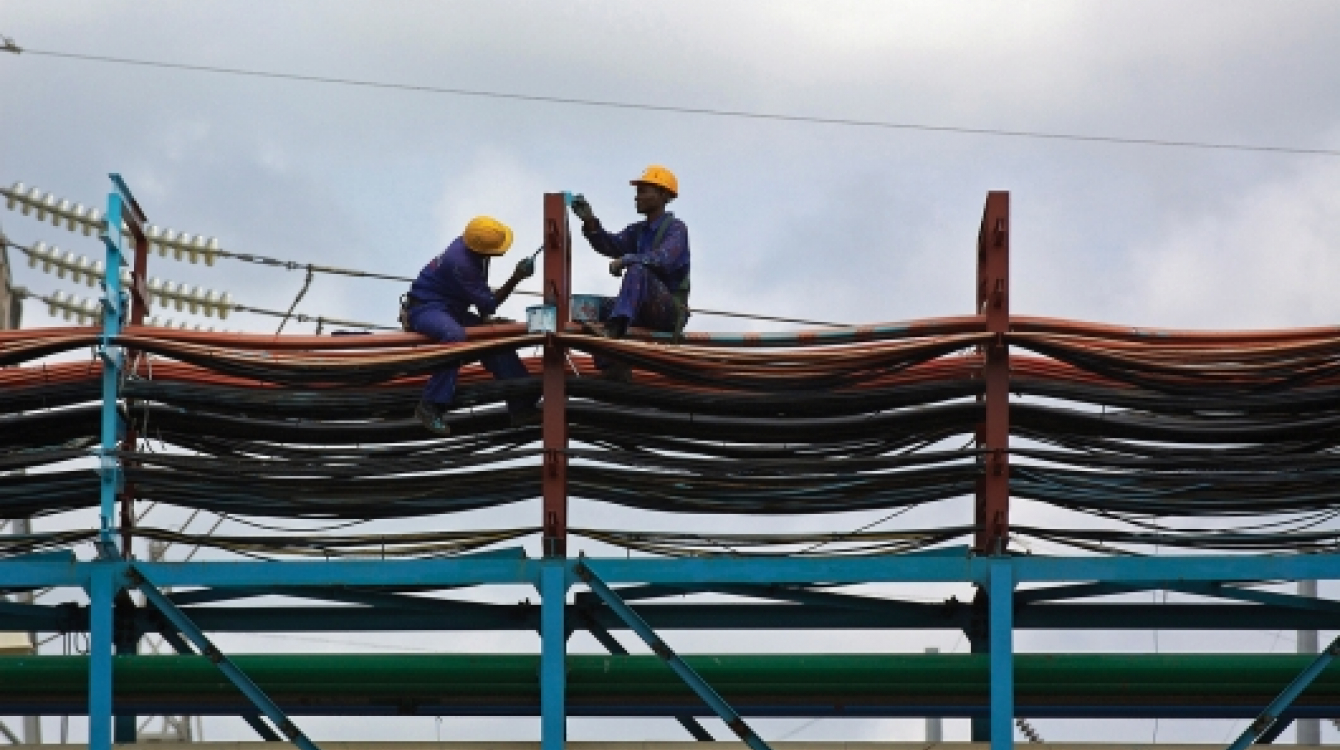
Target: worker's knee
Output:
[(635, 273), (437, 325)]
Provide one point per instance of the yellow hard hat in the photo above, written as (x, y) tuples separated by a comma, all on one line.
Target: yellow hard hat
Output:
[(660, 177), (487, 236)]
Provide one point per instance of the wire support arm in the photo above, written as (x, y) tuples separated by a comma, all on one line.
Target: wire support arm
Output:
[(680, 667), (230, 670)]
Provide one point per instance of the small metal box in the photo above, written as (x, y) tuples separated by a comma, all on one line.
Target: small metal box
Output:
[(542, 319), (590, 308)]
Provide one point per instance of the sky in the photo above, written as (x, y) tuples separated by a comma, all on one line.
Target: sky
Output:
[(816, 221)]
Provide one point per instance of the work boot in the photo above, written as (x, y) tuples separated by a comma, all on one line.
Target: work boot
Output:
[(597, 329), (617, 372), (614, 328), (432, 418), (527, 416)]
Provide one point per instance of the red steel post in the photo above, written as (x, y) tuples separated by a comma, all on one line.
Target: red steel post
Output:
[(993, 434), (557, 292), (139, 305)]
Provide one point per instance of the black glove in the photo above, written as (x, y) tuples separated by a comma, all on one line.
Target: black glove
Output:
[(582, 209), (525, 268)]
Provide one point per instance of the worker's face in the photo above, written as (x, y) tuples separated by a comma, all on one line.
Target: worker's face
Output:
[(650, 199)]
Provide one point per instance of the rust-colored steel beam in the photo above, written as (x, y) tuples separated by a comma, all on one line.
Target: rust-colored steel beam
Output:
[(557, 292), (993, 435), (139, 306)]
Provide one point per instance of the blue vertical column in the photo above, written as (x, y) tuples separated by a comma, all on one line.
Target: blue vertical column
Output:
[(101, 591), (113, 315), (102, 585), (1001, 603), (553, 653)]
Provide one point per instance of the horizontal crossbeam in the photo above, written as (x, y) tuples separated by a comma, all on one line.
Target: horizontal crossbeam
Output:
[(699, 571)]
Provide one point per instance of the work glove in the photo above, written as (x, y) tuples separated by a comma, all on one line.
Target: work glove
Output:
[(582, 208), (525, 268)]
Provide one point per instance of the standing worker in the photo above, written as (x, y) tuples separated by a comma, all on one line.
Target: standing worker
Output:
[(653, 257), (438, 307)]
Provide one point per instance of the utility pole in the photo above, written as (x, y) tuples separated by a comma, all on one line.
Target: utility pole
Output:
[(1308, 730)]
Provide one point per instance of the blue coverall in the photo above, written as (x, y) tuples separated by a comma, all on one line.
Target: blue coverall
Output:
[(651, 274), (443, 293)]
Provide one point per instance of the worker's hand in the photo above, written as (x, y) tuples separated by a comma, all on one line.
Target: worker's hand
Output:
[(525, 268), (582, 209), (616, 267)]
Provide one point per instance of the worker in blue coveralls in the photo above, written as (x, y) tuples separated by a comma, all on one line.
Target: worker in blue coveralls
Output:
[(653, 258), (438, 307)]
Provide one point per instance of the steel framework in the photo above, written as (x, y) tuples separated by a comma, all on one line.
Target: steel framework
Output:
[(607, 585)]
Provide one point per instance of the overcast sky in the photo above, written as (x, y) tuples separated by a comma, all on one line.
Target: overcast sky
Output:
[(828, 222)]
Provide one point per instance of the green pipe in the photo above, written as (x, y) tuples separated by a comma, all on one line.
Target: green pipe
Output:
[(638, 678)]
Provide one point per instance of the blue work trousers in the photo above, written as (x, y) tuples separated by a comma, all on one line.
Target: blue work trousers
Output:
[(645, 301), (433, 320)]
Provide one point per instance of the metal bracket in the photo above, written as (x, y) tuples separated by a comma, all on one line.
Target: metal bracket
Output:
[(659, 647), (236, 676)]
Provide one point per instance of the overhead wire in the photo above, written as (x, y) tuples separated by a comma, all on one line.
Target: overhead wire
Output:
[(699, 111), (314, 268)]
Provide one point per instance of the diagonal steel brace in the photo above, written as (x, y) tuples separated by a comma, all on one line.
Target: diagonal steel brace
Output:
[(613, 646), (236, 676), (680, 667), (253, 718), (1267, 718)]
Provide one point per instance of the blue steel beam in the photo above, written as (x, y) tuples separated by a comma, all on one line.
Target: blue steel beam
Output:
[(1212, 589), (700, 571), (1274, 732), (1075, 591), (1260, 597), (111, 477), (553, 587), (659, 647), (102, 587), (104, 581), (474, 616), (1000, 604), (1267, 718), (236, 676), (324, 593)]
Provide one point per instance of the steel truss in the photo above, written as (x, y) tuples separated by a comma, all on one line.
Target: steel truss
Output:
[(792, 586)]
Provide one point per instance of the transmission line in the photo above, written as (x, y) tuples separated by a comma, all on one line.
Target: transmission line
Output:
[(683, 110)]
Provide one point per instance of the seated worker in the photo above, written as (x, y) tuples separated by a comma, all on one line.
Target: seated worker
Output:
[(438, 307), (652, 256)]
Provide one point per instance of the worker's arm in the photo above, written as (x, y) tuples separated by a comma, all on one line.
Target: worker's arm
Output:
[(669, 256), (475, 287), (524, 270), (609, 245)]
